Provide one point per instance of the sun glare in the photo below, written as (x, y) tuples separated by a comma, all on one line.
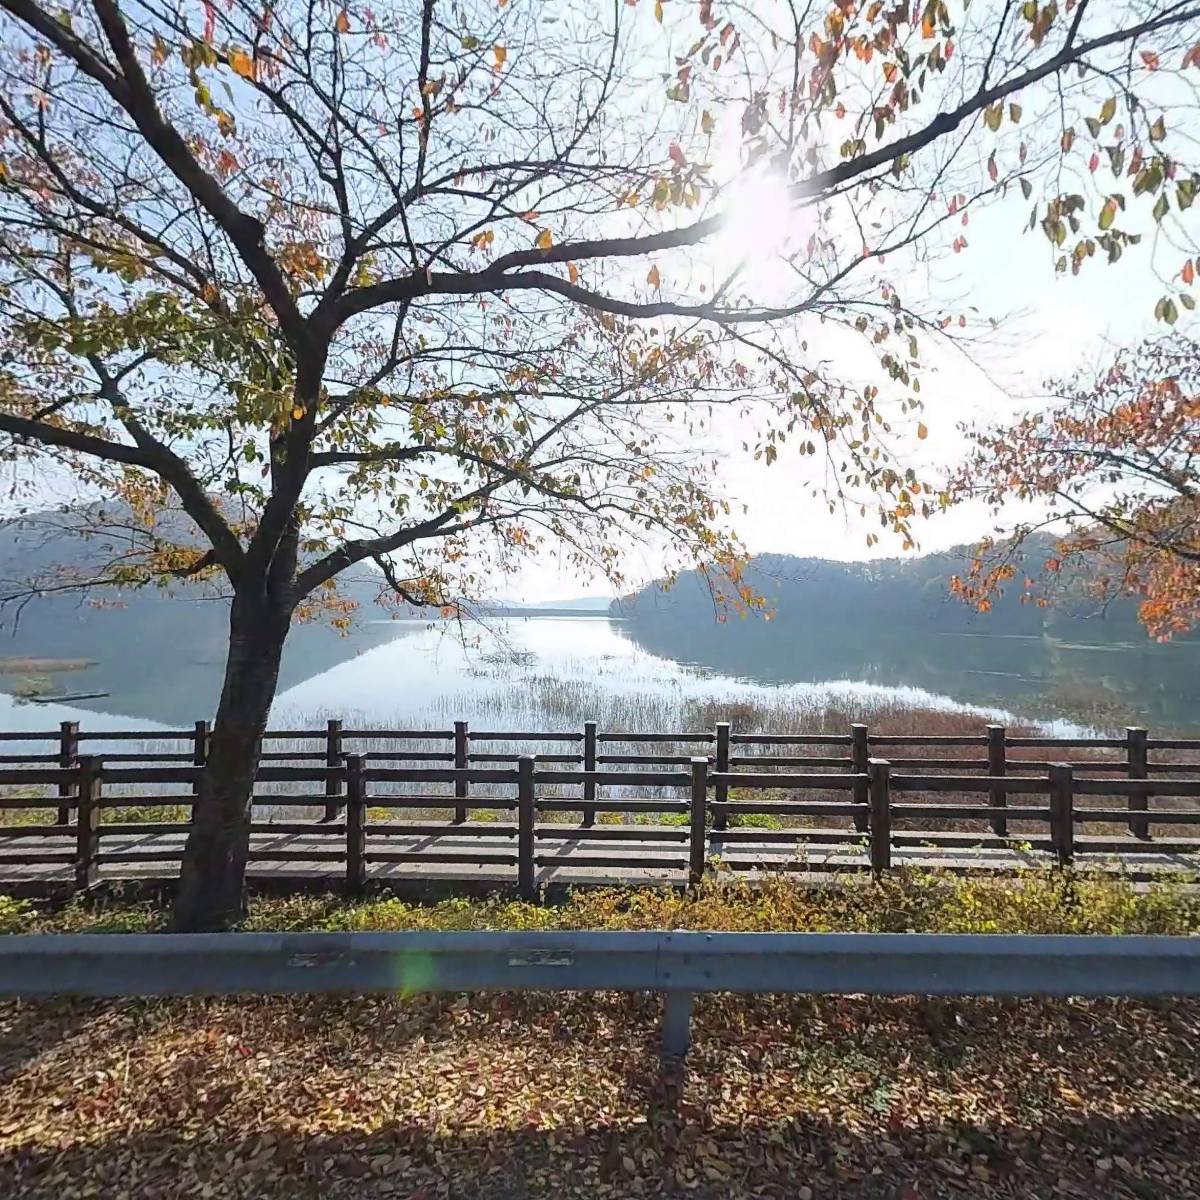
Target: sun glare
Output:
[(761, 226)]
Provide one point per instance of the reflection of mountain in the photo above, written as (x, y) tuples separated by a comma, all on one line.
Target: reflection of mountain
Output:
[(892, 623), (159, 654), (163, 658)]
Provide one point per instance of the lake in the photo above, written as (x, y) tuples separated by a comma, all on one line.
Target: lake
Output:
[(556, 672)]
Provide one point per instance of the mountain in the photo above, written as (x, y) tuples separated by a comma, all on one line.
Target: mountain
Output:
[(910, 593)]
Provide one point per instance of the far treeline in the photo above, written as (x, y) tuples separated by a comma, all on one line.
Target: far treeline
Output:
[(888, 596)]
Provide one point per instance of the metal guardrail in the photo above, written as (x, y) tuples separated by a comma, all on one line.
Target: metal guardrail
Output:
[(678, 964)]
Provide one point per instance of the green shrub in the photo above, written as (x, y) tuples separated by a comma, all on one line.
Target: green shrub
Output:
[(15, 915), (903, 901)]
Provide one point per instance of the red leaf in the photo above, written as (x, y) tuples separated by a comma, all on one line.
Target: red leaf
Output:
[(677, 155)]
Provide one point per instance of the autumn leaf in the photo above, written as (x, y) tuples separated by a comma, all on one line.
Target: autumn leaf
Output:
[(242, 64), (658, 11), (1150, 59), (922, 430), (572, 272), (677, 155), (501, 55), (342, 24), (1108, 213), (545, 240), (653, 278), (707, 123), (1189, 272)]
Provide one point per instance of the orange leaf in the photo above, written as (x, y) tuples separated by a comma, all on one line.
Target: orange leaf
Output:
[(545, 240), (653, 278), (342, 24), (573, 272), (1150, 59), (242, 64), (501, 53), (922, 431), (1189, 272)]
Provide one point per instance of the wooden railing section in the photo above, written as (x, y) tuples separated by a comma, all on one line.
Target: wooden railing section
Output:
[(873, 794)]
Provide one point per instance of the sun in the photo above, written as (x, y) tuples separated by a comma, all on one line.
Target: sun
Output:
[(761, 223)]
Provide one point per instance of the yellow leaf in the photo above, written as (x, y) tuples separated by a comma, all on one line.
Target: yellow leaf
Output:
[(573, 272), (297, 413), (707, 123), (545, 240), (658, 11), (653, 278), (242, 64), (501, 53), (922, 432), (342, 25)]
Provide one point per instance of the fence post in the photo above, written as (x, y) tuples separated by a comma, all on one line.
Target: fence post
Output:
[(721, 794), (860, 757), (334, 761), (997, 769), (879, 772), (1139, 768), (699, 813), (526, 811), (462, 789), (1062, 812), (87, 822), (356, 826), (589, 764), (68, 752), (199, 758)]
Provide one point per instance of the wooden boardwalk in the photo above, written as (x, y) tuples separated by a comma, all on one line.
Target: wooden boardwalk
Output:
[(461, 809), (569, 858)]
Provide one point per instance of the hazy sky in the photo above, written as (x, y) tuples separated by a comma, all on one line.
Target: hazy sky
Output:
[(1051, 325)]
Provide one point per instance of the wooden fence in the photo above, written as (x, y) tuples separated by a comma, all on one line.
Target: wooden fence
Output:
[(872, 794)]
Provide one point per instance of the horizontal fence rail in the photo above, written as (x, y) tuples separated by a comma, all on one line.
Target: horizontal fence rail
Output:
[(518, 804), (677, 964)]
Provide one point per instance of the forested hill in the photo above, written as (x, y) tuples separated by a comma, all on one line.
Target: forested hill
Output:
[(885, 597)]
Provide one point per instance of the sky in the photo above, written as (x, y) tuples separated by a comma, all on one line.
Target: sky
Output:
[(1048, 326)]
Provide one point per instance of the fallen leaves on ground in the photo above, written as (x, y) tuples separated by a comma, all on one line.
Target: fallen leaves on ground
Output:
[(557, 1096)]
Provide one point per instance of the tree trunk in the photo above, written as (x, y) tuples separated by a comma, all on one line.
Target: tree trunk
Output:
[(213, 875)]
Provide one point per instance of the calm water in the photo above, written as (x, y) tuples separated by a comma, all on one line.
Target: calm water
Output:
[(556, 672)]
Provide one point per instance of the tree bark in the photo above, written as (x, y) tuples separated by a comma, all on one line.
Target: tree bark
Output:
[(212, 892)]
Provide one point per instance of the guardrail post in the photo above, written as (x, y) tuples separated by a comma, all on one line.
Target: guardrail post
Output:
[(68, 753), (699, 814), (334, 762), (879, 773), (1062, 812), (997, 769), (356, 826), (1137, 758), (589, 764), (461, 787), (87, 822), (860, 756), (526, 809), (676, 1026), (199, 758), (721, 794)]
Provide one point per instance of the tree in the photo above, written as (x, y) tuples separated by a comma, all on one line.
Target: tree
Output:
[(433, 287), (1115, 467)]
